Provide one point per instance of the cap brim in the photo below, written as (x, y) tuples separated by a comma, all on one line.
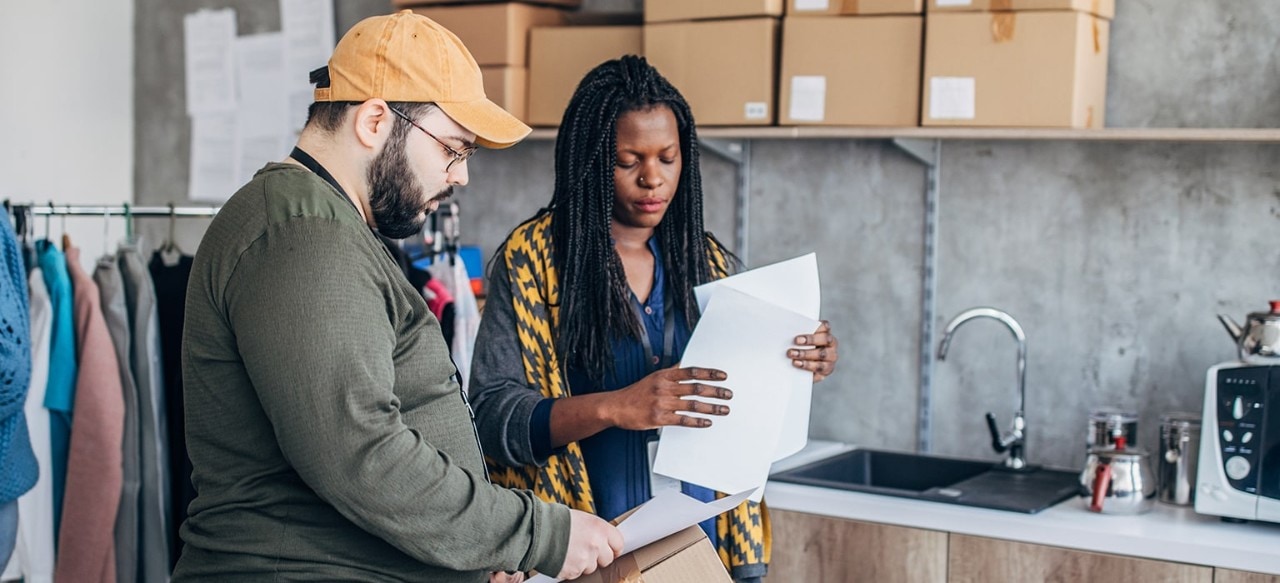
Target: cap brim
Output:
[(493, 126)]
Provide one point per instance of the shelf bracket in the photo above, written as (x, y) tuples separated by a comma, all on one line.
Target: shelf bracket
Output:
[(738, 153), (928, 153)]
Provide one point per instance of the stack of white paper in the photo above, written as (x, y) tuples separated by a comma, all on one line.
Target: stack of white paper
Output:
[(748, 323)]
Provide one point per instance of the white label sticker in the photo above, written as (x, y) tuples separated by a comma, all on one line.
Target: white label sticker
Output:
[(812, 5), (756, 110), (955, 2), (952, 98), (808, 98)]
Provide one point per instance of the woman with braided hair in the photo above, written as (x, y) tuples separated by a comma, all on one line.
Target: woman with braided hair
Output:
[(591, 304)]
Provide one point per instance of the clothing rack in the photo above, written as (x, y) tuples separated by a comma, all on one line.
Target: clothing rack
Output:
[(120, 211)]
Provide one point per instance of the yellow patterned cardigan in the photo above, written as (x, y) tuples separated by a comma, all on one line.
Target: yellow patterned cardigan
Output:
[(744, 531)]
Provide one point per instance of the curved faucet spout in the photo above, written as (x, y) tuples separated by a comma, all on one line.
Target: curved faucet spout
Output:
[(1017, 436)]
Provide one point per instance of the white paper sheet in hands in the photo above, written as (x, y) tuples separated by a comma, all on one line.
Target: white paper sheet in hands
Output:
[(747, 338), (664, 515), (792, 284)]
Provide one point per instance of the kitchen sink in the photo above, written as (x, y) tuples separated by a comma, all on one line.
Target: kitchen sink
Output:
[(938, 479)]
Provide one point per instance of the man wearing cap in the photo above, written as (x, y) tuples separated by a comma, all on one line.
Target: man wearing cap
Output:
[(328, 434)]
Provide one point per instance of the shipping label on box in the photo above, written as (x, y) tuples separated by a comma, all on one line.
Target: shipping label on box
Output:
[(851, 71), (1016, 69), (725, 69), (496, 34), (559, 57), (853, 7)]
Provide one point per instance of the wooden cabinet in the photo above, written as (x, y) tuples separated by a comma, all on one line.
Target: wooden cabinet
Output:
[(977, 559), (1229, 576), (808, 547)]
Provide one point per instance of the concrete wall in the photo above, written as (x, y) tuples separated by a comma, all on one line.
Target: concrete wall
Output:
[(66, 120), (1114, 257)]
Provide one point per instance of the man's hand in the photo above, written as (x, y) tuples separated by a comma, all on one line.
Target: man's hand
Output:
[(821, 359), (655, 400), (593, 543), (503, 577)]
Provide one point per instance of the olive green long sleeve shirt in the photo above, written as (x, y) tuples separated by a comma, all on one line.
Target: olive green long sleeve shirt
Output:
[(327, 432)]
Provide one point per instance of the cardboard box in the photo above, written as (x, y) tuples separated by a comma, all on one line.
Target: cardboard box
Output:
[(1103, 8), (677, 10), (402, 4), (559, 57), (508, 87), (853, 7), (1015, 69), (496, 34), (851, 70), (684, 557), (725, 69)]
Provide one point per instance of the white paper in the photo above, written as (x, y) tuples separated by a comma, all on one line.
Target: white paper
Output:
[(663, 516), (747, 338), (262, 121), (212, 175), (808, 98), (210, 77), (309, 40), (955, 2), (755, 110), (794, 285), (952, 98), (812, 5)]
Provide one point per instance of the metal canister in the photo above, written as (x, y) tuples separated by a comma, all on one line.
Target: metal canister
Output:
[(1179, 454), (1107, 423)]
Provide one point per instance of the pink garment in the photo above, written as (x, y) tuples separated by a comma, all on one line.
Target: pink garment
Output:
[(442, 297), (86, 541)]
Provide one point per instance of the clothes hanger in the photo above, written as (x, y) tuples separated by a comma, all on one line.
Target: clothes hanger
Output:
[(170, 253)]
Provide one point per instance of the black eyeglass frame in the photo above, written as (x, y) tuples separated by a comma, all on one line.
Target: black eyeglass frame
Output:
[(458, 156)]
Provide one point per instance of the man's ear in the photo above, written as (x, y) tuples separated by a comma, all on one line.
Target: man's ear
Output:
[(372, 124)]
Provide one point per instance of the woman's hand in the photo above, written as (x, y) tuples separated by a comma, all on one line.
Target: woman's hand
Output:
[(657, 400), (821, 359), (502, 577)]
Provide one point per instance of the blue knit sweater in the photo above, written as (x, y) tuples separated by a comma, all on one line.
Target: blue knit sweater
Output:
[(18, 470)]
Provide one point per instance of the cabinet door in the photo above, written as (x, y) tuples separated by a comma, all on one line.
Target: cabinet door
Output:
[(983, 559), (807, 547), (1229, 576)]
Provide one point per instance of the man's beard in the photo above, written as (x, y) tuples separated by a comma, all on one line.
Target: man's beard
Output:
[(395, 195)]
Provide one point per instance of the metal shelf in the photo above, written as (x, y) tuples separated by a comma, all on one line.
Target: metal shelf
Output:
[(1206, 135)]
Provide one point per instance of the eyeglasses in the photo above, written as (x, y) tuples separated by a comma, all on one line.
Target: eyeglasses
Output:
[(457, 156)]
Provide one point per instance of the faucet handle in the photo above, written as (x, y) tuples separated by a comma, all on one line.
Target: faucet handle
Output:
[(997, 443)]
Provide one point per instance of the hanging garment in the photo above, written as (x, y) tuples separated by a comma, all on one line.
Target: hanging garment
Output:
[(466, 320), (115, 312), (171, 298), (18, 471), (33, 557), (440, 302), (60, 394), (86, 539), (140, 294)]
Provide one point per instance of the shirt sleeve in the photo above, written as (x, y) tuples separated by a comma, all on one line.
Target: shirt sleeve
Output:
[(314, 327), (505, 403)]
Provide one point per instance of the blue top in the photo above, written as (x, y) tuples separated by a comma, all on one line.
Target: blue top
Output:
[(18, 469), (618, 459), (61, 393)]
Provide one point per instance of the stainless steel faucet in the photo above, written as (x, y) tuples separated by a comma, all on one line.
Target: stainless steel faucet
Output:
[(1015, 439)]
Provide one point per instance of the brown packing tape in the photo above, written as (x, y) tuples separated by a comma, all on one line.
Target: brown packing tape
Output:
[(623, 570), (1097, 36), (1097, 7), (849, 6), (1003, 25), (1001, 4)]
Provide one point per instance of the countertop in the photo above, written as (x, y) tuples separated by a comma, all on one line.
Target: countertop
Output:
[(1167, 533)]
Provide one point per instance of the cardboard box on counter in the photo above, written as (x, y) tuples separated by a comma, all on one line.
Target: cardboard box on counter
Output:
[(1103, 8), (853, 7), (854, 70), (496, 34), (402, 4), (684, 557), (724, 68), (676, 10), (559, 57), (508, 87), (1015, 69)]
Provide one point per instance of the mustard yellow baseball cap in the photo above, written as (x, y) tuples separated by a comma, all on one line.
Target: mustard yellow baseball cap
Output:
[(409, 57)]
